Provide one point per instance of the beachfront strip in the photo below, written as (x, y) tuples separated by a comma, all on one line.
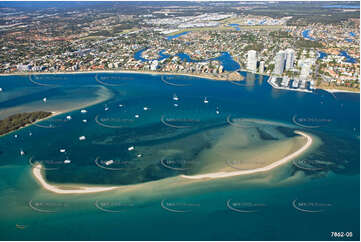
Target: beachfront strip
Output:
[(210, 45)]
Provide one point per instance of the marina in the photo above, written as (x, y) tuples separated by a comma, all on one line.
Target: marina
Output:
[(291, 85)]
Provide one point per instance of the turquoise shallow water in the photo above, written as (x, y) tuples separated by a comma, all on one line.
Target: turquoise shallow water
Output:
[(307, 199)]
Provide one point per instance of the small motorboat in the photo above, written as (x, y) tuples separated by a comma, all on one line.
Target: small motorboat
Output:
[(20, 226)]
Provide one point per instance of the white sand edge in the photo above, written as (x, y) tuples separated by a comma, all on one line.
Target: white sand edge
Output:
[(56, 189), (84, 189), (262, 169), (339, 90)]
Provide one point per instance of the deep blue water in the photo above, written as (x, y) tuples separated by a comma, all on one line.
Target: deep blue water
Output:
[(334, 189), (170, 37), (348, 58), (225, 59), (138, 55), (322, 55), (306, 34), (236, 26)]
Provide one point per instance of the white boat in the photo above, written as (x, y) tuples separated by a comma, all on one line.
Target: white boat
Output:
[(82, 138), (175, 98), (83, 111), (22, 152), (303, 84), (205, 100), (15, 136), (136, 116), (84, 120), (120, 105), (106, 109), (175, 105), (44, 99), (139, 155), (131, 148), (67, 161), (217, 112), (295, 83), (1, 89), (109, 162), (62, 150), (68, 117), (30, 134), (145, 108)]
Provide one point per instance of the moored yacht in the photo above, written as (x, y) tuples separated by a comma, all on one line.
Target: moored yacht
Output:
[(175, 98)]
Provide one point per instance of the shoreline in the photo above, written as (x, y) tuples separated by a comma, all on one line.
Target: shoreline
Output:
[(204, 76), (338, 90), (53, 114), (269, 167), (36, 171), (56, 113), (53, 188), (273, 84)]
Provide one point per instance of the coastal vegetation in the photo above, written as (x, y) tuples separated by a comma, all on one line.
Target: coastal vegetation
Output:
[(19, 120)]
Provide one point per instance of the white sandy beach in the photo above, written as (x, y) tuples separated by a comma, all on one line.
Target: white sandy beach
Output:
[(53, 188), (93, 189), (338, 90), (262, 169), (204, 76)]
